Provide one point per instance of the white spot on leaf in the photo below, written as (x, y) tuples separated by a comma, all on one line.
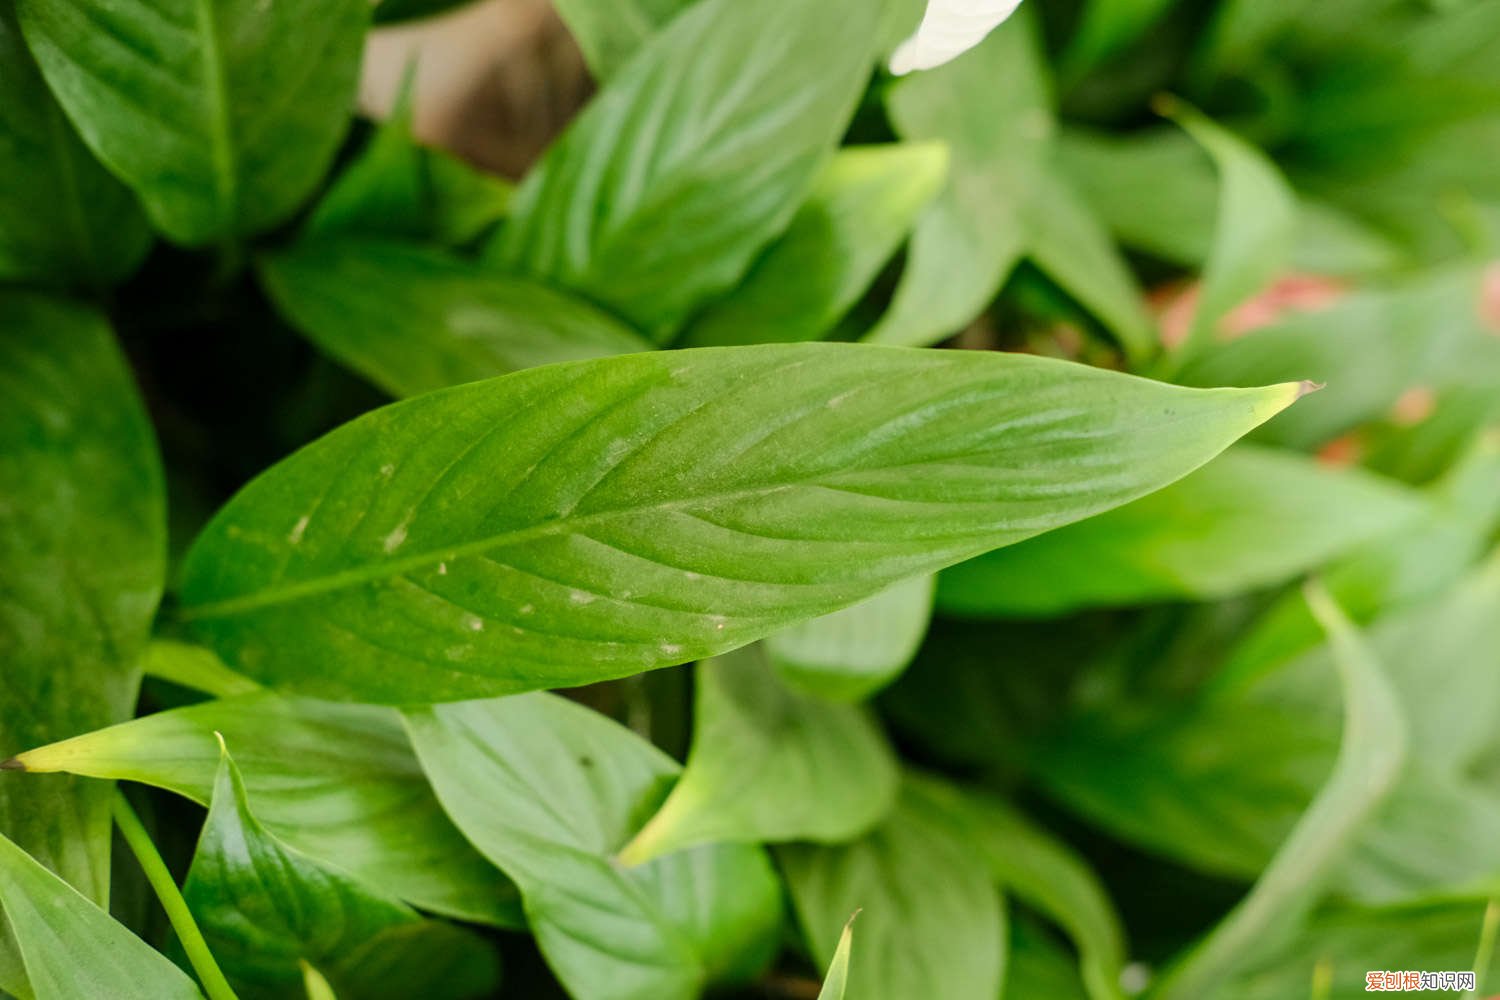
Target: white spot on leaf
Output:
[(394, 540), (473, 623), (527, 609), (298, 530), (581, 597)]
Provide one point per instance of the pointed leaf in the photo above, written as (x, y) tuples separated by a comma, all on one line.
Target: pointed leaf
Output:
[(221, 114), (662, 192), (1251, 518), (265, 907), (336, 782), (577, 522), (72, 948), (948, 29), (770, 765), (864, 204), (413, 319), (851, 654), (63, 218), (837, 977), (549, 791), (83, 551), (931, 923)]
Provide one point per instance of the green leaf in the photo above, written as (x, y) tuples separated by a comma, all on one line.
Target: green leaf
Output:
[(837, 977), (63, 218), (770, 765), (337, 782), (1435, 935), (72, 949), (401, 190), (1045, 874), (549, 791), (1371, 753), (1251, 518), (221, 114), (851, 654), (930, 923), (1106, 28), (1039, 967), (610, 31), (265, 907), (863, 205), (413, 319), (991, 107), (194, 667), (577, 522), (661, 193), (1257, 220), (82, 543)]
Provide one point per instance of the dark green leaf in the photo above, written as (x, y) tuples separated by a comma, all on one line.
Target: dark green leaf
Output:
[(264, 907), (83, 551), (1107, 27), (851, 654), (931, 923), (549, 791), (577, 522), (1251, 518), (413, 319), (63, 218), (770, 765), (221, 114), (336, 782), (661, 193), (861, 208), (991, 107)]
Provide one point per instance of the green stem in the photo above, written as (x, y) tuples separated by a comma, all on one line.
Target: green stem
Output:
[(214, 983), (1487, 933)]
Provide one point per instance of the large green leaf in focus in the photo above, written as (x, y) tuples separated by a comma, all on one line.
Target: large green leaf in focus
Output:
[(73, 950), (221, 114), (931, 922), (582, 521), (851, 654), (862, 207), (1251, 518), (82, 559), (338, 783), (992, 108), (264, 907), (768, 764), (63, 218), (413, 319), (549, 791), (1372, 750), (664, 189), (610, 31)]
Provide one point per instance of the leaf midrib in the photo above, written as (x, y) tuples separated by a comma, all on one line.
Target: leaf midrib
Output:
[(218, 111)]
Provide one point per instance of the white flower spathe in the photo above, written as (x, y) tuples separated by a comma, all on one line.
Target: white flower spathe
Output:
[(949, 28)]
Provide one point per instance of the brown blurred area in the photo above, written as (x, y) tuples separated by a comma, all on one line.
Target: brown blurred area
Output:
[(496, 79)]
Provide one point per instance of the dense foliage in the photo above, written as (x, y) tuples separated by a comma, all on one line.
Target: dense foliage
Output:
[(415, 585)]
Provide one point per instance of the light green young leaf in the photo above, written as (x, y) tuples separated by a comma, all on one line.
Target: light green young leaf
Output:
[(316, 985), (221, 114), (572, 523), (1416, 563), (1045, 874), (63, 218), (862, 207), (992, 109), (610, 31), (837, 978), (550, 791), (770, 765), (931, 923), (661, 193), (1257, 220), (1372, 751), (413, 319), (336, 782), (83, 551), (851, 654), (265, 907), (401, 190), (1252, 518), (71, 948), (194, 667)]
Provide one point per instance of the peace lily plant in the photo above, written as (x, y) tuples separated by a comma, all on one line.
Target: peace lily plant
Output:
[(784, 502)]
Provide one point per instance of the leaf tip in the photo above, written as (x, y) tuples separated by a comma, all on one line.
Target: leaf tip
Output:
[(1165, 104), (1307, 387), (12, 764)]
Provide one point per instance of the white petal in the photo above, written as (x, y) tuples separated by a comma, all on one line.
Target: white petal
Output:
[(949, 28)]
